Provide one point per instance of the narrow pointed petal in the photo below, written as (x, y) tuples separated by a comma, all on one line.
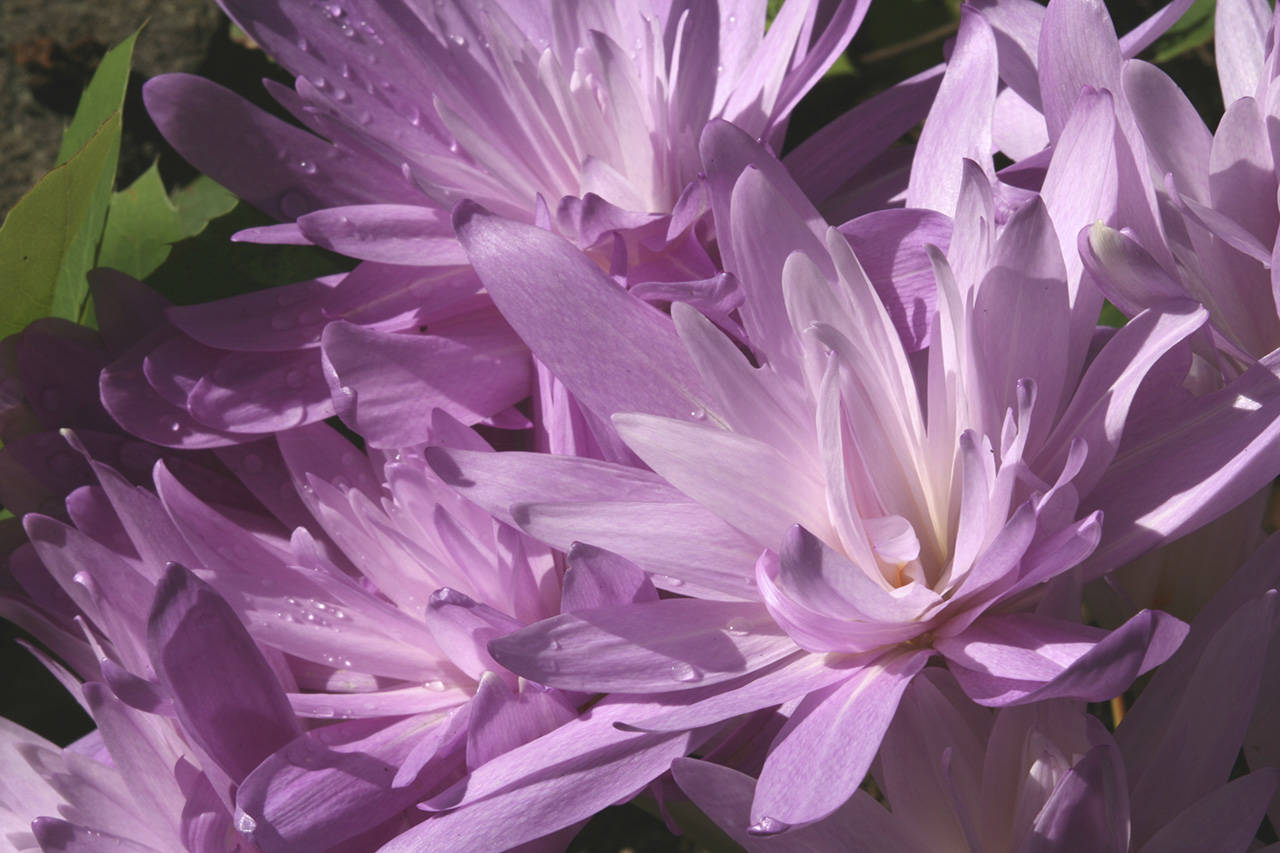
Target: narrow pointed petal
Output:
[(1020, 658), (545, 785), (1225, 819), (959, 123), (645, 648), (820, 757), (1239, 27), (860, 826), (387, 233), (332, 784), (386, 385), (224, 692), (240, 147), (598, 578), (580, 323), (1087, 809)]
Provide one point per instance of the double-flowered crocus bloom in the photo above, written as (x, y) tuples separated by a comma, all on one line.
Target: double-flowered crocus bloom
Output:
[(847, 510), (1050, 776), (582, 116), (821, 504)]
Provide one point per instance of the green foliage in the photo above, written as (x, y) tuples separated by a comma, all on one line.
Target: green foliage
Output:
[(1193, 30), (47, 240), (102, 97), (143, 221), (50, 238), (208, 266)]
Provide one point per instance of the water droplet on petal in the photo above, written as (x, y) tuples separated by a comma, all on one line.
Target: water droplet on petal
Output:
[(175, 427), (324, 712), (767, 826), (244, 823), (346, 391), (554, 645), (684, 672), (737, 627), (437, 685), (306, 167), (698, 414)]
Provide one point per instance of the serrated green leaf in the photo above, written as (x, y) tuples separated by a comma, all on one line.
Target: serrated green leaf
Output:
[(143, 222), (47, 240), (200, 202), (103, 96)]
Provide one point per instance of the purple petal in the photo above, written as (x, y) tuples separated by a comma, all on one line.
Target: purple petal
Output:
[(578, 322), (250, 392), (225, 694), (1019, 658), (1239, 28), (463, 629), (823, 752), (405, 234), (860, 826), (1225, 819), (241, 147), (656, 647), (1087, 809), (333, 783), (598, 578), (959, 123), (58, 836), (546, 784), (501, 720), (1177, 140), (275, 320), (1078, 48), (386, 385), (890, 246)]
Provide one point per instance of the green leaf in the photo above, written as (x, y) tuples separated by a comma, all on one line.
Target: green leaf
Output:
[(208, 266), (1111, 316), (103, 96), (143, 221), (47, 240), (1193, 29)]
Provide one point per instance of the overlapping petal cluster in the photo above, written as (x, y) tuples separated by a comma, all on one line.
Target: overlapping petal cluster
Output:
[(819, 485)]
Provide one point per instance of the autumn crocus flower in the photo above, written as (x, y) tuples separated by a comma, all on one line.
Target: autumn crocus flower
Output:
[(1050, 776), (841, 516), (584, 118)]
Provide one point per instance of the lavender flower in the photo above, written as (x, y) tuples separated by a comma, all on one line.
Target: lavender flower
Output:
[(1050, 776), (582, 117), (903, 513)]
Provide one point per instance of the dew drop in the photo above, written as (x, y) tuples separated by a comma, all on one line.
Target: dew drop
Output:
[(365, 117), (348, 31), (554, 645), (346, 391), (244, 823), (324, 712), (767, 826), (175, 426), (306, 167), (459, 40), (698, 414), (737, 628), (436, 685), (683, 672), (333, 10), (84, 579), (303, 44)]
